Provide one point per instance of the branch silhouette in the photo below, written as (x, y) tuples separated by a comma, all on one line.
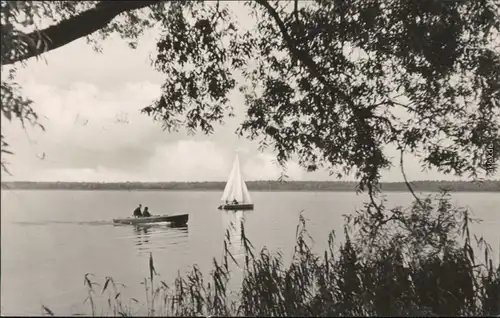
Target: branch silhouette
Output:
[(73, 28)]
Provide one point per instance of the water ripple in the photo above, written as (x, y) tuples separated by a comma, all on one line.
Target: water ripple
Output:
[(51, 222), (157, 237)]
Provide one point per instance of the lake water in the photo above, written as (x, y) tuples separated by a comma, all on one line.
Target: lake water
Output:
[(51, 239)]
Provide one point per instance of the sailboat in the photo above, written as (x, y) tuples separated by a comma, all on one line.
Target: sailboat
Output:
[(236, 196)]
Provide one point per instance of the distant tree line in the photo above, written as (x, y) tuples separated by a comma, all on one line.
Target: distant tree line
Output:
[(429, 186)]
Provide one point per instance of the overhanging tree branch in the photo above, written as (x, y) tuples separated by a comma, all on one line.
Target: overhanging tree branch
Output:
[(308, 62), (74, 28), (360, 114)]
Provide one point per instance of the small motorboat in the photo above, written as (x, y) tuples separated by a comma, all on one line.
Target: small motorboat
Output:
[(175, 220)]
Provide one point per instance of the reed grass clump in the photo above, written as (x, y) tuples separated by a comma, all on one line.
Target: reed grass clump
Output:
[(418, 261)]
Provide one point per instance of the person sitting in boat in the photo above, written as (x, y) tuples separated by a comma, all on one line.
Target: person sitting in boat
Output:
[(235, 202), (137, 211), (146, 213)]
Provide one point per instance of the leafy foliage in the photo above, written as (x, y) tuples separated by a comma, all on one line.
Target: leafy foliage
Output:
[(198, 67), (14, 106), (332, 80), (333, 83)]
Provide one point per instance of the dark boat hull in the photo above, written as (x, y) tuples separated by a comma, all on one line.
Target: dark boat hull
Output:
[(176, 220), (248, 206)]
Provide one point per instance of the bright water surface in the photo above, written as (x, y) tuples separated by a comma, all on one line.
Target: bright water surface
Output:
[(50, 239)]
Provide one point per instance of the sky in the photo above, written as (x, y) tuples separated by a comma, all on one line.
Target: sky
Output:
[(90, 106)]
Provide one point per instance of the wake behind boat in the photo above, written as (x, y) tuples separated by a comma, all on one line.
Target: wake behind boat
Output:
[(175, 220), (236, 195)]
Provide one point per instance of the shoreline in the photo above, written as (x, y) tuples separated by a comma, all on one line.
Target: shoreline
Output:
[(254, 186), (251, 190)]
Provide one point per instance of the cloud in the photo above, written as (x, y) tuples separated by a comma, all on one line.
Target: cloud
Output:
[(188, 160), (262, 167), (82, 174), (100, 135), (183, 160)]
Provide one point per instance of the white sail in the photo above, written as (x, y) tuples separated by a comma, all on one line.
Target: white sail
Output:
[(236, 188)]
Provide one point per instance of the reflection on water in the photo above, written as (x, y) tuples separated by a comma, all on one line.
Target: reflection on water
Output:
[(233, 222), (142, 235), (151, 237)]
